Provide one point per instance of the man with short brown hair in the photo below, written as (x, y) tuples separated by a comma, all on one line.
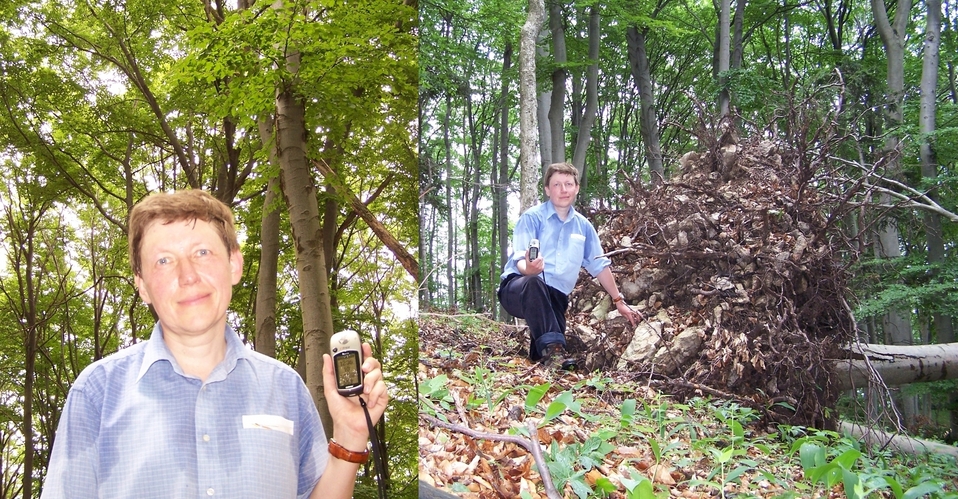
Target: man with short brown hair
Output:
[(193, 412), (538, 289)]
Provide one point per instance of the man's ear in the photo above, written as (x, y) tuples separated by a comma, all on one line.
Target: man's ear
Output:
[(236, 266), (138, 282)]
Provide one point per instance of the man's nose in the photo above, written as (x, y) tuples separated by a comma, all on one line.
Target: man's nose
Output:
[(187, 271)]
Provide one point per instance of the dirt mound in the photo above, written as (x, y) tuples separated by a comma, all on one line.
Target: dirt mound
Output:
[(731, 265)]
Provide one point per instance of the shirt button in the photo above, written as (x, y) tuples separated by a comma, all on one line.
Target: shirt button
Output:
[(209, 491), (206, 438)]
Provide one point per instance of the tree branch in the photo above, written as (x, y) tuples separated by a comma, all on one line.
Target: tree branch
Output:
[(532, 446)]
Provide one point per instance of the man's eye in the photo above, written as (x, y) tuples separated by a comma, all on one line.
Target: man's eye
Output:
[(162, 261), (203, 252)]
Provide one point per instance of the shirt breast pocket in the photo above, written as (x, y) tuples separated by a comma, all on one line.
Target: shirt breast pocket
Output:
[(575, 251), (269, 460)]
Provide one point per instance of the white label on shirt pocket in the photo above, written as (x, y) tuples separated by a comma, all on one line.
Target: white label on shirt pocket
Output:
[(268, 422), (579, 237)]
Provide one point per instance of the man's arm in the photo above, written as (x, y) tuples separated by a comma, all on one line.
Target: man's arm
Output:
[(607, 280), (72, 469)]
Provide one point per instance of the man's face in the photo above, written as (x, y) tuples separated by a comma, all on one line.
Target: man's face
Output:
[(562, 190), (188, 276)]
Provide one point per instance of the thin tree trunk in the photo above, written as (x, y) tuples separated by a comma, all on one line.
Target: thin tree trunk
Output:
[(735, 57), (648, 123), (544, 103), (723, 42), (559, 76), (529, 176), (470, 192), (501, 184), (265, 341), (450, 227), (584, 134)]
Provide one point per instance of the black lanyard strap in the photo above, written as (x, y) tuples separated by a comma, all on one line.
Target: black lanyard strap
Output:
[(379, 457)]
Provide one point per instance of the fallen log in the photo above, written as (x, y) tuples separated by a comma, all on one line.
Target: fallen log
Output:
[(897, 442), (427, 491), (896, 364)]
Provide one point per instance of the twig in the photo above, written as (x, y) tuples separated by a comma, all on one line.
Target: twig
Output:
[(533, 447)]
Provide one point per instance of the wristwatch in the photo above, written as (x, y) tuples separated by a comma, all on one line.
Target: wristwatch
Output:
[(340, 452)]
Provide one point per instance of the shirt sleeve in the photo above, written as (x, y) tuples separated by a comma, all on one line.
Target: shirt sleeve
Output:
[(73, 462), (591, 260), (313, 446), (527, 229)]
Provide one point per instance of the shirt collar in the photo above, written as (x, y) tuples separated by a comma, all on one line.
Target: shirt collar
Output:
[(156, 350), (550, 210)]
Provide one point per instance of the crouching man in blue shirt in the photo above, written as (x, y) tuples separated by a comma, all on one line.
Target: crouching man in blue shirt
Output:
[(538, 290), (192, 412)]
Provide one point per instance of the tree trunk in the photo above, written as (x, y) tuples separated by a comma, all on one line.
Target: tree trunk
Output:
[(471, 193), (648, 123), (897, 323), (737, 49), (450, 226), (943, 325), (544, 101), (265, 341), (299, 191), (584, 134), (897, 365), (559, 76), (529, 176), (500, 185), (722, 63)]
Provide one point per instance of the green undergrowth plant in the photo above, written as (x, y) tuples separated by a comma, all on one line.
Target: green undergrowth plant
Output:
[(829, 459)]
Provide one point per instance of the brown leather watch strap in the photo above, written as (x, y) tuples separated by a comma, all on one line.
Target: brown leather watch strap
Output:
[(340, 452)]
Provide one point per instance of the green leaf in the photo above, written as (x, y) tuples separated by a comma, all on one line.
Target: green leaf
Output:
[(921, 489), (535, 395), (811, 455), (853, 485), (848, 458), (554, 410), (627, 411), (737, 472)]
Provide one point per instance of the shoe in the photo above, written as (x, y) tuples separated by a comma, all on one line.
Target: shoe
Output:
[(554, 357)]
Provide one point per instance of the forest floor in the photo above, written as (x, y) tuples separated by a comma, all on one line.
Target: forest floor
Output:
[(614, 434)]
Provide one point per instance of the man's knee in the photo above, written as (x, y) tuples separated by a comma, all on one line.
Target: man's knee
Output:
[(532, 284)]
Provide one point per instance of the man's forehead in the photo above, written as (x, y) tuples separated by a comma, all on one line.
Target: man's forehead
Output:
[(192, 223), (561, 177)]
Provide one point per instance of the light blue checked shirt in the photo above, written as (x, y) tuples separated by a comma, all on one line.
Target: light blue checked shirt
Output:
[(564, 246), (134, 426)]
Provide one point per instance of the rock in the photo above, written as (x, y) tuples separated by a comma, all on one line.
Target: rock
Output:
[(684, 347), (644, 343)]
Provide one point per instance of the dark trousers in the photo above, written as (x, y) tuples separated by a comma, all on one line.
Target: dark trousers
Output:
[(542, 306)]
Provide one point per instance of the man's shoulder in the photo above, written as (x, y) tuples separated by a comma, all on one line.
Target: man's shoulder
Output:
[(581, 219), (123, 361), (537, 213), (271, 367)]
